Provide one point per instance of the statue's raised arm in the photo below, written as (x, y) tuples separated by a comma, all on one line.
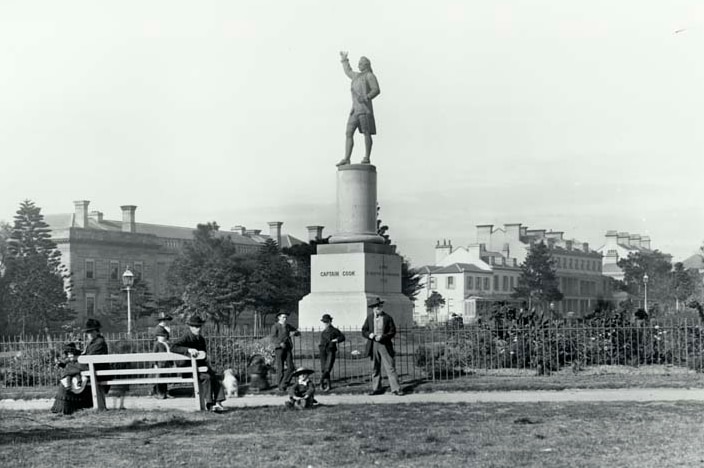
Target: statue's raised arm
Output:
[(365, 87)]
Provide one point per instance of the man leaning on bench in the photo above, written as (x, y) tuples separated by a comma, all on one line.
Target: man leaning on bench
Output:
[(188, 352)]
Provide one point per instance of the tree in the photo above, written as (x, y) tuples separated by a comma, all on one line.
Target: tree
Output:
[(683, 283), (299, 256), (34, 286), (434, 302), (410, 280), (658, 268), (142, 304), (272, 284), (211, 278), (538, 280)]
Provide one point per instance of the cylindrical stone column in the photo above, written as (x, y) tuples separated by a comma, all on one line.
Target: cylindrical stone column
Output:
[(356, 205)]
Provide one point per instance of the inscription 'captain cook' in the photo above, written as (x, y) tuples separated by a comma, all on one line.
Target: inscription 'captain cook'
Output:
[(337, 273)]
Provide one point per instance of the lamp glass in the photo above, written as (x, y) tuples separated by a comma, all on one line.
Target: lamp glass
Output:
[(128, 278)]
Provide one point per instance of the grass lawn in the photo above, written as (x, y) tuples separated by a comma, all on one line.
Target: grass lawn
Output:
[(418, 435)]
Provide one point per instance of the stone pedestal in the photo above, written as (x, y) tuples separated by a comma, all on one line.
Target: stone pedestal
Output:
[(356, 267), (356, 205), (346, 277)]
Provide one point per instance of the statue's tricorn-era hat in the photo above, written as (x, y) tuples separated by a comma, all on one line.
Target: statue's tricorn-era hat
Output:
[(326, 318), (375, 303)]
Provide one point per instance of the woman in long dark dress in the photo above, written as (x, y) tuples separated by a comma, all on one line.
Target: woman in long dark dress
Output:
[(69, 394)]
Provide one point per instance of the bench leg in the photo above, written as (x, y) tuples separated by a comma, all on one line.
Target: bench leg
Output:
[(197, 393), (96, 390), (100, 393)]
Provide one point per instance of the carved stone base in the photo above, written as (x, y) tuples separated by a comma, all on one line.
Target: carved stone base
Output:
[(346, 277)]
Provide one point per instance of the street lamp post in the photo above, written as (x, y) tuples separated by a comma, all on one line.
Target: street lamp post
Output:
[(645, 283), (128, 281)]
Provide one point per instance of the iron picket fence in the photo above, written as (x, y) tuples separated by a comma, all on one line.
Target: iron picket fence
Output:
[(421, 353)]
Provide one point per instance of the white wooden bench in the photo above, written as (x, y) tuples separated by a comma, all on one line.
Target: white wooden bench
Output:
[(146, 375)]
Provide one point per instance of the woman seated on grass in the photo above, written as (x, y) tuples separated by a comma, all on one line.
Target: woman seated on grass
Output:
[(71, 385)]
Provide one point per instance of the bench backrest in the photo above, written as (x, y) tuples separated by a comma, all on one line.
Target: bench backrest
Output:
[(134, 357)]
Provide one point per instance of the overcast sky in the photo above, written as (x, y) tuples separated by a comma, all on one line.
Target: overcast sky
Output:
[(578, 116)]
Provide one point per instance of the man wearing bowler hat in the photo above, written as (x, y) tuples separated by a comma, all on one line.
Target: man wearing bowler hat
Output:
[(95, 345), (379, 329), (280, 335), (189, 345), (163, 323), (329, 339)]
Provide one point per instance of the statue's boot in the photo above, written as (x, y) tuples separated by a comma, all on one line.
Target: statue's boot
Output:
[(343, 162), (365, 161)]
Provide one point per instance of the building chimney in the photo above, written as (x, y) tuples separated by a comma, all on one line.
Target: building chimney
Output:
[(555, 235), (623, 238), (97, 215), (315, 232), (238, 230), (506, 250), (128, 224), (81, 214), (484, 233), (568, 244), (275, 231), (252, 232), (513, 231), (442, 250), (645, 242), (634, 240), (585, 246)]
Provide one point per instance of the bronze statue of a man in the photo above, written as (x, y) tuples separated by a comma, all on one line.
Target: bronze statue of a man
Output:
[(365, 87)]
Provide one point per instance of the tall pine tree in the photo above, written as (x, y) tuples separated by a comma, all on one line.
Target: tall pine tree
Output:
[(538, 282), (34, 286)]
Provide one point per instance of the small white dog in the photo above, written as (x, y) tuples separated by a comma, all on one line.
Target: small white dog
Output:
[(229, 381)]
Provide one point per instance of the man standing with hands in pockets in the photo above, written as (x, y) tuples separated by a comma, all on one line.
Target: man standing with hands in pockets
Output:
[(379, 329), (280, 335)]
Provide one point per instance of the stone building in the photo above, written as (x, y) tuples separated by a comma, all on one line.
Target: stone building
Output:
[(97, 251), (477, 276), (618, 245)]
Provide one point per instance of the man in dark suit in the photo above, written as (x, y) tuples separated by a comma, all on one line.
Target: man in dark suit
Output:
[(95, 345), (329, 339), (283, 346), (189, 345), (379, 329)]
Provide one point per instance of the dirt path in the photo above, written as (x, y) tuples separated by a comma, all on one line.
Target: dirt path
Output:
[(186, 404)]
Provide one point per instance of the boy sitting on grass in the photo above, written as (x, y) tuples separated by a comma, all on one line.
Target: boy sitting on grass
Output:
[(302, 393)]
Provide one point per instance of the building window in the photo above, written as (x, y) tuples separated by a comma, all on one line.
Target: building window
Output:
[(505, 283), (114, 270), (90, 269), (138, 270), (479, 284), (570, 263), (433, 283), (486, 284), (90, 304), (496, 283), (450, 282), (470, 282), (513, 282)]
